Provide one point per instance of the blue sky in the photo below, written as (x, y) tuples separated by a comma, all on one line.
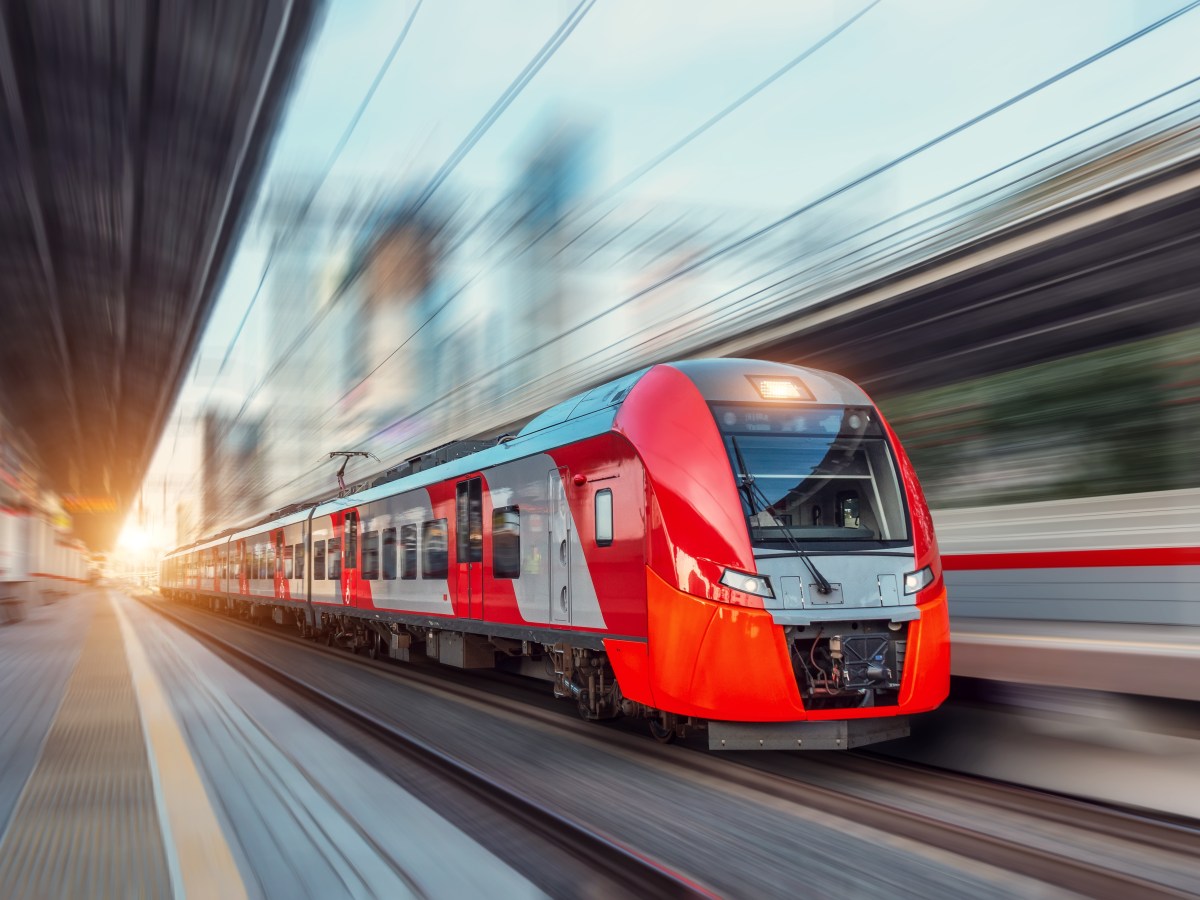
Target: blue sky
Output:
[(641, 74)]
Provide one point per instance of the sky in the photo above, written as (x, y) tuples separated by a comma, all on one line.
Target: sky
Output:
[(636, 76)]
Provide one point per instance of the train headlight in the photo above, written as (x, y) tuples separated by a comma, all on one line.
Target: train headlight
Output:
[(747, 583), (914, 581), (780, 388)]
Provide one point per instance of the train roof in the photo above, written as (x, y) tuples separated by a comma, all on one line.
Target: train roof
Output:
[(585, 415)]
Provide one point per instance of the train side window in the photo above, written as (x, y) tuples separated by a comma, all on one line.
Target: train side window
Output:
[(298, 554), (408, 546), (335, 559), (270, 562), (288, 562), (435, 547), (318, 560), (604, 517), (506, 542), (389, 554), (370, 555)]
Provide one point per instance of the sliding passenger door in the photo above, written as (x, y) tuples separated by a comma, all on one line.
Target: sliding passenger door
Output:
[(559, 552), (468, 527)]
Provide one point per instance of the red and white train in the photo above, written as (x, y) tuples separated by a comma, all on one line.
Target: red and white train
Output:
[(736, 545)]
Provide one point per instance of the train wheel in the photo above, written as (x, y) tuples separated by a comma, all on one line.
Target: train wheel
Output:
[(664, 734), (373, 645)]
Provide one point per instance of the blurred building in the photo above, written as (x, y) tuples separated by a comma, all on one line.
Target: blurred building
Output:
[(39, 555), (538, 308), (232, 470), (401, 348)]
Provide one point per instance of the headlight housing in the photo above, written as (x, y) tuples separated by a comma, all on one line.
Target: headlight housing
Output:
[(914, 581), (747, 583)]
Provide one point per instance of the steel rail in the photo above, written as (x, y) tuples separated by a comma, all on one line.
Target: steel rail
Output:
[(1028, 858), (610, 859)]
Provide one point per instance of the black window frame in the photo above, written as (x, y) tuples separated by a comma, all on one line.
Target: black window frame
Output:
[(611, 517), (333, 559), (410, 551), (370, 548), (319, 560), (388, 547), (431, 570), (507, 571)]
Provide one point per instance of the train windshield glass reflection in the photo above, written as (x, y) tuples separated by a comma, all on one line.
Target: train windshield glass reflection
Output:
[(808, 474)]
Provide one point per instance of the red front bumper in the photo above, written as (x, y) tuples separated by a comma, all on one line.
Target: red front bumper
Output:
[(710, 660)]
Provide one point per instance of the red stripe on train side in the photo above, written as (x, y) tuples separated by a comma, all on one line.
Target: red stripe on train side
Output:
[(1068, 559)]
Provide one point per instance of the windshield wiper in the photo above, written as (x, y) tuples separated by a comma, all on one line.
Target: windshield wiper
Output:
[(747, 480), (750, 487)]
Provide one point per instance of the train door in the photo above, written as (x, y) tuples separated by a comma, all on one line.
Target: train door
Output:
[(559, 552), (278, 584), (468, 521), (350, 571)]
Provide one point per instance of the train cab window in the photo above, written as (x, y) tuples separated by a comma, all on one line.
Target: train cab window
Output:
[(370, 555), (388, 562), (813, 474), (604, 517), (506, 542), (435, 549), (318, 560), (408, 547), (335, 559), (351, 535), (298, 555)]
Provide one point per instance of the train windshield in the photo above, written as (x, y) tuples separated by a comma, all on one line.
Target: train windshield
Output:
[(813, 474)]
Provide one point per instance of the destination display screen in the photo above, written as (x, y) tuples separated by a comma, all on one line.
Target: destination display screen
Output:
[(816, 420)]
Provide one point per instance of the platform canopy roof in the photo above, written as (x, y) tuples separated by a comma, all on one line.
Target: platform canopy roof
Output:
[(132, 140)]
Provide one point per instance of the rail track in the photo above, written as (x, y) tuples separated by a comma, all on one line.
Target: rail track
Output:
[(1083, 873), (615, 864)]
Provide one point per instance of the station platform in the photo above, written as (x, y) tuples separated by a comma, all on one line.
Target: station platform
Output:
[(138, 763)]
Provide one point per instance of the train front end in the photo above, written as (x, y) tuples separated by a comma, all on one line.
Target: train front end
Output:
[(794, 590)]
